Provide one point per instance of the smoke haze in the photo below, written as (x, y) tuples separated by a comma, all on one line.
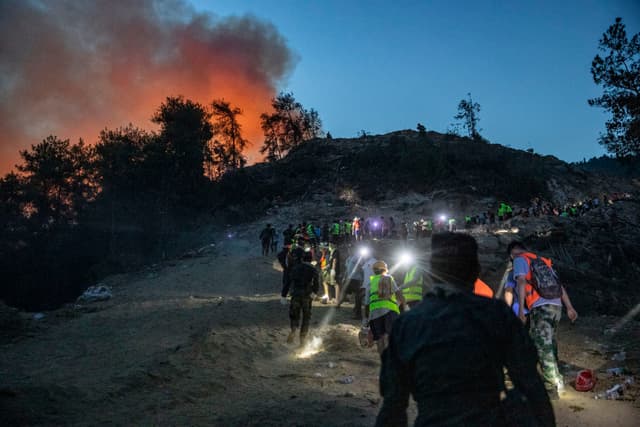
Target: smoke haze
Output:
[(72, 68)]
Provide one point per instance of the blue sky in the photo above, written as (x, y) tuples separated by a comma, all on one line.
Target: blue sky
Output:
[(382, 66)]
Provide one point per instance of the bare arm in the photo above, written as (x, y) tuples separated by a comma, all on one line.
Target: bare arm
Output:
[(508, 296), (571, 312)]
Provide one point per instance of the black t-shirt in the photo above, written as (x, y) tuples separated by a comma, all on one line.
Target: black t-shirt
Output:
[(449, 352)]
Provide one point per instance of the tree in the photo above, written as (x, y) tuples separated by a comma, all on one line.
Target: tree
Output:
[(58, 178), (185, 132), (422, 130), (468, 114), (287, 126), (619, 75), (228, 143)]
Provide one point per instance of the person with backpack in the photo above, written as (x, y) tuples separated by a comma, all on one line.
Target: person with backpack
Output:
[(538, 287), (302, 283), (450, 353)]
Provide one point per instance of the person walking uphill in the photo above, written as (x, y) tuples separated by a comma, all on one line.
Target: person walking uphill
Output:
[(450, 351), (302, 283), (383, 297), (537, 287), (266, 235)]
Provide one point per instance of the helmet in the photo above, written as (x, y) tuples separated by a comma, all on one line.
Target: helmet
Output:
[(380, 265)]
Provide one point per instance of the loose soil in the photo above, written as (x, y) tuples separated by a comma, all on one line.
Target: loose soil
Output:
[(202, 341)]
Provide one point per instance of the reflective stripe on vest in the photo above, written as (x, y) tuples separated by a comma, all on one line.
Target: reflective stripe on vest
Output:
[(375, 302), (412, 293)]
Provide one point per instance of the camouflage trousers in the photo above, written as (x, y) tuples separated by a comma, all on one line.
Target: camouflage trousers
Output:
[(544, 323)]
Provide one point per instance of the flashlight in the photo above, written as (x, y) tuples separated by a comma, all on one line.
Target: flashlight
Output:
[(443, 218), (406, 258), (375, 224), (364, 251)]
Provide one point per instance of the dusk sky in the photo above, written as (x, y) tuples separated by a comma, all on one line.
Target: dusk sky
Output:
[(382, 66), (72, 68)]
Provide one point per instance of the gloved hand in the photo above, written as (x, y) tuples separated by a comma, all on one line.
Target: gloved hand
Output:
[(283, 300), (365, 323), (314, 296)]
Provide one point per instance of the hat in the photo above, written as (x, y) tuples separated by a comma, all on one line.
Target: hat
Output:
[(585, 380)]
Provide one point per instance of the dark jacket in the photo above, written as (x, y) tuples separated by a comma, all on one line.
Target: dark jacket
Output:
[(449, 352), (302, 281)]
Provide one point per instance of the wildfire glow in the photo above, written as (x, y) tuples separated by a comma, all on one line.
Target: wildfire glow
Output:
[(72, 71)]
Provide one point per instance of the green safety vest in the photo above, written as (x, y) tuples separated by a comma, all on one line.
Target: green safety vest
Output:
[(335, 228), (375, 302), (429, 225), (412, 293), (310, 231), (347, 227)]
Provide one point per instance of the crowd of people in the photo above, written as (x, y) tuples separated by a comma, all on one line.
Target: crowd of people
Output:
[(346, 231), (400, 319)]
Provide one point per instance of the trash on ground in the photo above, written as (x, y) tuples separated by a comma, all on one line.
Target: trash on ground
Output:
[(614, 393), (331, 365), (96, 293), (614, 372), (619, 357), (585, 380), (346, 380)]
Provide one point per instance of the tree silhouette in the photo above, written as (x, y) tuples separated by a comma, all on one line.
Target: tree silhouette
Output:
[(422, 130), (58, 179), (619, 75), (228, 144), (185, 132), (287, 126), (468, 113)]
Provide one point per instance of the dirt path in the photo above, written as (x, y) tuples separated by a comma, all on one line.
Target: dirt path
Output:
[(201, 341)]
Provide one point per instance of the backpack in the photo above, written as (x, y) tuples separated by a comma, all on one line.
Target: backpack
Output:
[(543, 279)]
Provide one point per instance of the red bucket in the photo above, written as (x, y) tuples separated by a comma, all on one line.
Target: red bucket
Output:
[(585, 380)]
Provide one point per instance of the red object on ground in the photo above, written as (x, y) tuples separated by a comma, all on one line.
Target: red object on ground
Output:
[(585, 380)]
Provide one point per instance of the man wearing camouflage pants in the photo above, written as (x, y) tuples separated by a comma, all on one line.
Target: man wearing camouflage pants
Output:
[(545, 315)]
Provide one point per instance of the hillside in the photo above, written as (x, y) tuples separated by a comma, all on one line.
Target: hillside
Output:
[(202, 341), (200, 338)]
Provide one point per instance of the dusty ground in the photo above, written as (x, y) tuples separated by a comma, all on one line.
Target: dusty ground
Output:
[(201, 341)]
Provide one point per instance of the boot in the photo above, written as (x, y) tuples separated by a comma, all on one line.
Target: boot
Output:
[(291, 336), (303, 340)]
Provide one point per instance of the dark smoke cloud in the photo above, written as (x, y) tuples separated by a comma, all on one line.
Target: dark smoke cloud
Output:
[(71, 68)]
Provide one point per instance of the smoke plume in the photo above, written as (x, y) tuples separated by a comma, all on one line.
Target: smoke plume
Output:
[(71, 68)]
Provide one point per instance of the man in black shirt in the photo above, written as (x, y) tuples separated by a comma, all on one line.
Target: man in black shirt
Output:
[(302, 282), (450, 351)]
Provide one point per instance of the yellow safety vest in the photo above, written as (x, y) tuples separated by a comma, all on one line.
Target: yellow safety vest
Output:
[(375, 302), (412, 293)]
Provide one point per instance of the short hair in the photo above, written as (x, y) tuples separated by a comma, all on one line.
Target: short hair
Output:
[(454, 259), (515, 244)]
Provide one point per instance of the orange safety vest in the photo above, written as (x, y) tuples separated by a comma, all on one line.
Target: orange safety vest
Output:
[(530, 294), (482, 289)]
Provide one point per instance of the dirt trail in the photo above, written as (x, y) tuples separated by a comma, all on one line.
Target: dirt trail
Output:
[(201, 341)]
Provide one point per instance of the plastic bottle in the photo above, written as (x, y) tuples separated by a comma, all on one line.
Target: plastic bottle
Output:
[(613, 393)]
